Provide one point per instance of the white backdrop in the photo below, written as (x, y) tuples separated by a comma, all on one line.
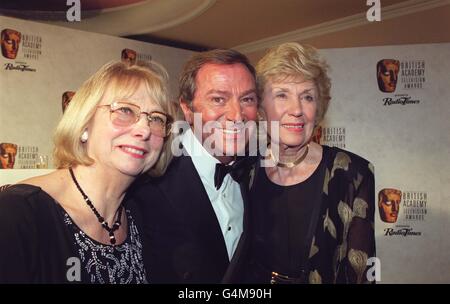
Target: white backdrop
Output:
[(409, 146), (61, 60)]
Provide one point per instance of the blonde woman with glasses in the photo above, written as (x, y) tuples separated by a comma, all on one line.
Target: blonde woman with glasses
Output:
[(72, 225)]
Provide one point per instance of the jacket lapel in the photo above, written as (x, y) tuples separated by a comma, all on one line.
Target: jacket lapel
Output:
[(188, 197)]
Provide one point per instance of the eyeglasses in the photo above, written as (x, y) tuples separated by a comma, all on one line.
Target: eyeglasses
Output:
[(125, 114)]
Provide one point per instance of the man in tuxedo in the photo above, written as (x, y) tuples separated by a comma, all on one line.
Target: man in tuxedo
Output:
[(195, 216)]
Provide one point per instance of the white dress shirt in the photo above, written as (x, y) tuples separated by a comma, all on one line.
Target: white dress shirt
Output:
[(227, 200)]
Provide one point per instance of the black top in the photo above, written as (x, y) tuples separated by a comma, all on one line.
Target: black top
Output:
[(107, 264), (41, 244), (282, 218), (342, 236)]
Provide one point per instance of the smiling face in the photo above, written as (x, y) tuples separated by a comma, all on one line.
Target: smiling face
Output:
[(293, 103), (130, 150), (226, 95)]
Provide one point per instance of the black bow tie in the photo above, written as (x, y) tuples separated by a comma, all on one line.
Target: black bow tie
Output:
[(237, 170)]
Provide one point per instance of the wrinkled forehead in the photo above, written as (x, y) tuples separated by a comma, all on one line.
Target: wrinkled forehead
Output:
[(297, 80), (219, 71), (280, 78)]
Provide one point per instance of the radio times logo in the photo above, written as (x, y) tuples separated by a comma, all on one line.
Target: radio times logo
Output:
[(19, 46), (402, 208), (398, 76)]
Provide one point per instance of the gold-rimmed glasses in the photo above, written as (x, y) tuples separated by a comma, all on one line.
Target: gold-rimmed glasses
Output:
[(125, 114)]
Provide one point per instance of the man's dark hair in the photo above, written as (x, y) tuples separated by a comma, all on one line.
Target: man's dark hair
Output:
[(197, 61)]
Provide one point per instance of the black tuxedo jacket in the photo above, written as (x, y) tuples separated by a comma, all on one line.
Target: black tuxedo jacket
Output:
[(183, 242)]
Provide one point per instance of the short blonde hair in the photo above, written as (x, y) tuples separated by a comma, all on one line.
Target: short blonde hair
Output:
[(123, 79), (291, 60)]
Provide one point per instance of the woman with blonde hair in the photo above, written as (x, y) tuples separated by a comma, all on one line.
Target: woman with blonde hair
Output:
[(72, 225), (313, 208)]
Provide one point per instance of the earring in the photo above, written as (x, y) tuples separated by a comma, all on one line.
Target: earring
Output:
[(84, 136)]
